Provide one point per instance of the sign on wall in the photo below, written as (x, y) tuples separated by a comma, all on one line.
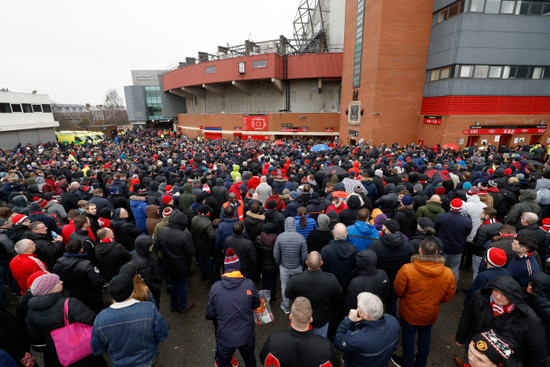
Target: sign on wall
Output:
[(354, 113), (432, 120), (255, 122)]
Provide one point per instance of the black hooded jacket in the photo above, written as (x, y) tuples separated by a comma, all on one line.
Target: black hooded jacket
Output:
[(521, 328), (47, 250), (367, 279), (392, 251), (147, 267), (339, 259), (176, 245), (110, 257)]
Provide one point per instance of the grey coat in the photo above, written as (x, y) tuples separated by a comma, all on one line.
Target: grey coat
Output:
[(290, 250)]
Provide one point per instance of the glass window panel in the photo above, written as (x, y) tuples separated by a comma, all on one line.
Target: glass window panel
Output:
[(453, 9), (507, 7), (537, 72), (546, 73), (477, 6), (495, 71), (506, 72), (445, 73), (46, 108), (481, 71), (434, 75), (522, 7), (492, 6), (17, 107), (523, 72), (27, 108), (546, 8), (466, 71), (536, 8), (440, 17), (5, 108)]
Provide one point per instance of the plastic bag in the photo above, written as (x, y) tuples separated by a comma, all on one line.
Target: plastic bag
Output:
[(263, 314)]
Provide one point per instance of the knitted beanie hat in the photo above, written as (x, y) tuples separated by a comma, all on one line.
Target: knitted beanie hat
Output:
[(166, 199), (44, 284), (231, 261), (121, 287), (18, 219), (33, 276), (488, 343), (496, 257), (167, 211), (456, 204)]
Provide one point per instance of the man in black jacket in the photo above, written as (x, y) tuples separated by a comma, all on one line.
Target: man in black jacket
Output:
[(322, 289), (244, 248), (48, 249), (80, 277), (298, 346), (67, 198), (176, 245), (110, 255), (81, 225), (500, 306)]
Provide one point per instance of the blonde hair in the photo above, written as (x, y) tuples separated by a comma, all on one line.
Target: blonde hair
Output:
[(141, 290)]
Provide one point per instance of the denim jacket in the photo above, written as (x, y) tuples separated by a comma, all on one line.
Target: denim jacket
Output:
[(130, 332)]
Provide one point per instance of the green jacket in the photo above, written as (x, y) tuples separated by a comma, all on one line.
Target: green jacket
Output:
[(430, 210)]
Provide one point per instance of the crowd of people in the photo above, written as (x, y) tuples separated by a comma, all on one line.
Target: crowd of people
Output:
[(359, 245)]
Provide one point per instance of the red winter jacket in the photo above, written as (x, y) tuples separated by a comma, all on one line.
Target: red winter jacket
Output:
[(22, 266)]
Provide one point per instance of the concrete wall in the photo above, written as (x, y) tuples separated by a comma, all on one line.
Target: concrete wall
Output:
[(266, 98), (135, 102), (10, 139)]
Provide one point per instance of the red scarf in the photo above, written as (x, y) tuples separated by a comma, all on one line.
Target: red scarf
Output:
[(501, 310), (490, 221), (507, 235)]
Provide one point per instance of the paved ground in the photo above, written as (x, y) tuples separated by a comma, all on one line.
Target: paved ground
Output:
[(191, 342)]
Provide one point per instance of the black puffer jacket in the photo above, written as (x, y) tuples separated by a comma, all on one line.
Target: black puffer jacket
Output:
[(273, 216), (147, 267), (88, 245), (125, 232), (204, 235), (521, 328), (81, 279), (47, 250), (405, 217), (339, 259), (245, 250), (176, 245), (367, 279), (392, 251), (110, 257), (46, 314), (264, 248)]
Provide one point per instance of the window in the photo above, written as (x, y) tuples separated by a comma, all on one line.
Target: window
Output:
[(259, 64), (36, 108), (523, 72), (358, 43), (480, 71), (477, 6), (16, 107), (536, 8), (546, 73), (546, 9), (495, 71), (466, 71), (449, 11), (522, 7), (445, 73), (46, 108), (210, 69), (5, 108), (507, 7), (27, 108), (434, 75), (492, 6)]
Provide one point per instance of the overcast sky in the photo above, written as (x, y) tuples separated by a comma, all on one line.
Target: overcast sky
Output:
[(75, 51)]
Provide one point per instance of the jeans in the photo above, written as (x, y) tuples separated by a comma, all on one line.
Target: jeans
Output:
[(285, 276), (224, 354), (424, 339), (269, 282), (453, 262), (206, 266), (178, 294), (321, 331), (476, 262)]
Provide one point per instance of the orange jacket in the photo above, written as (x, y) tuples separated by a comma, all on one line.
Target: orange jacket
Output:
[(240, 209), (423, 285)]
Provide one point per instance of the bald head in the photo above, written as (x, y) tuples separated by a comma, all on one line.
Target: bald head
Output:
[(340, 232), (314, 260)]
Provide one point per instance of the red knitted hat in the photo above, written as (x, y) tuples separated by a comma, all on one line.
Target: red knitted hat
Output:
[(456, 204), (33, 276), (168, 189), (231, 261), (167, 211), (18, 219), (508, 171), (496, 257), (166, 199), (43, 203)]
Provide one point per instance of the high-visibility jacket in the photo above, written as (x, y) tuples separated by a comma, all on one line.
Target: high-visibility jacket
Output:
[(239, 208)]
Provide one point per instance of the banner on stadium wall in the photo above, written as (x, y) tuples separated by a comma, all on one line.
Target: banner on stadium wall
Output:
[(255, 122), (505, 130)]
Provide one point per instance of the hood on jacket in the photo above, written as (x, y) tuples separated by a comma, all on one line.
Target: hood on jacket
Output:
[(187, 188), (66, 263), (510, 288), (344, 249), (378, 221), (38, 303), (433, 207), (366, 262), (392, 240), (528, 195), (152, 211), (236, 168), (431, 266), (19, 200), (290, 224), (366, 229), (230, 282), (540, 282), (354, 202), (219, 181), (142, 244), (389, 188), (178, 220)]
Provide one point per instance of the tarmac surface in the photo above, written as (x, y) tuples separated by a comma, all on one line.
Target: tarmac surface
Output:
[(191, 342)]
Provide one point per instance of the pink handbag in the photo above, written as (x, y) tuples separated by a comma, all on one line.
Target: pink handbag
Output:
[(72, 341)]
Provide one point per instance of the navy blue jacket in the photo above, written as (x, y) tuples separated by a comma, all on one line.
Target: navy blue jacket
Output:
[(484, 277), (368, 343), (339, 259), (452, 229), (231, 302)]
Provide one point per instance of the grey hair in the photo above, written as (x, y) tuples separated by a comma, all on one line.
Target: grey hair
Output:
[(370, 304), (22, 245), (530, 217), (340, 232)]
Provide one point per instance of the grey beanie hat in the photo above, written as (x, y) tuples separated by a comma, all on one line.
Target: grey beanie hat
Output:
[(418, 188), (323, 221)]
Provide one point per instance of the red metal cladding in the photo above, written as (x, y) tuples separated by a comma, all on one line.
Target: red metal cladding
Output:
[(483, 105)]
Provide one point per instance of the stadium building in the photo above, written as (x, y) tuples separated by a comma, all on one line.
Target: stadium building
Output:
[(426, 71)]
